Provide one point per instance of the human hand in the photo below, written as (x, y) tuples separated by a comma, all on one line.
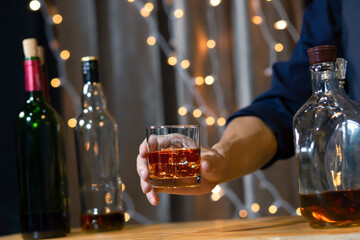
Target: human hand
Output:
[(212, 170)]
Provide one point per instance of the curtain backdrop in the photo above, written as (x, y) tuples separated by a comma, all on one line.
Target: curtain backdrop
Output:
[(130, 71)]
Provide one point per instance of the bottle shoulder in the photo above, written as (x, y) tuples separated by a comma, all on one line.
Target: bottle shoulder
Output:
[(40, 112)]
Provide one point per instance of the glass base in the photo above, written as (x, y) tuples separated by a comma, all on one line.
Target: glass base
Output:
[(338, 224), (175, 182)]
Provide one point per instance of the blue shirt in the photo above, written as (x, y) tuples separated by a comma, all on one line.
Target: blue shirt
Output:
[(291, 83)]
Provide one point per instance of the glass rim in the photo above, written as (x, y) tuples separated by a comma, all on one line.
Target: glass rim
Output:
[(173, 126)]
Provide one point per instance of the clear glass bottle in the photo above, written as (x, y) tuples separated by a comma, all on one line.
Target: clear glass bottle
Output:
[(98, 157), (327, 146)]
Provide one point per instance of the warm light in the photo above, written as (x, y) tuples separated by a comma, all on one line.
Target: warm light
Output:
[(280, 25), (243, 213), (211, 43), (216, 189), (273, 209), (108, 198), (149, 7), (197, 113), (65, 54), (172, 60), (298, 211), (127, 217), (182, 111), (278, 47), (123, 187), (199, 81), (255, 207), (72, 122), (185, 64), (55, 82), (178, 13), (215, 197), (57, 18), (221, 121), (144, 12), (210, 121), (35, 5), (256, 20), (209, 80), (268, 0), (131, 1), (151, 40), (214, 3)]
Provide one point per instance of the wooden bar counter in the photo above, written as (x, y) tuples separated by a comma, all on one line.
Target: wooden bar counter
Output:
[(278, 228)]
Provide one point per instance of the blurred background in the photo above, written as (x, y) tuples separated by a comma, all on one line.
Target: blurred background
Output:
[(161, 62)]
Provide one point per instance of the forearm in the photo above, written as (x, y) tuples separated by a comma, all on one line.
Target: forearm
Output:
[(247, 144)]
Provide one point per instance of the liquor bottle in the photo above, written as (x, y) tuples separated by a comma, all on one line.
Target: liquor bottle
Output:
[(41, 163), (327, 146), (98, 157)]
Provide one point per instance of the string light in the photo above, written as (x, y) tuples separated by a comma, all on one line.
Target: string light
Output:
[(209, 80), (57, 19), (210, 121), (197, 113), (144, 12), (127, 217), (278, 47), (255, 207), (172, 60), (65, 54), (182, 111), (215, 197), (130, 1), (243, 213), (149, 7), (35, 5), (216, 189), (280, 25), (178, 13), (298, 211), (215, 3), (256, 20), (211, 44), (221, 121), (199, 81), (55, 82), (72, 122), (123, 187), (151, 40), (185, 64), (273, 209)]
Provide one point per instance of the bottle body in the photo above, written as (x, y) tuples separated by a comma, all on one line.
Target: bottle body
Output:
[(98, 163), (41, 163), (327, 146)]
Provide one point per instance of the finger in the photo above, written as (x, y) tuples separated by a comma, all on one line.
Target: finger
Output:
[(153, 198), (142, 168), (143, 149), (145, 186)]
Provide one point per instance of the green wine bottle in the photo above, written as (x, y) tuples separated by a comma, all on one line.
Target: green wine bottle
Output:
[(41, 162)]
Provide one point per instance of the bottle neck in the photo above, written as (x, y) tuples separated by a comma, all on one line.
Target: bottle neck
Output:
[(324, 78), (93, 97), (34, 96), (32, 75)]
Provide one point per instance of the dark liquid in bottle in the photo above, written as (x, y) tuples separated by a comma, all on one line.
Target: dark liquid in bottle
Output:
[(331, 209), (103, 222)]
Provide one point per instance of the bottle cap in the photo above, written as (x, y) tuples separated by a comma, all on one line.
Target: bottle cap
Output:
[(325, 53), (30, 47)]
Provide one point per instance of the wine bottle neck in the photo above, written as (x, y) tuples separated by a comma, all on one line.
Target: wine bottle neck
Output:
[(324, 78), (34, 96), (32, 75), (93, 97)]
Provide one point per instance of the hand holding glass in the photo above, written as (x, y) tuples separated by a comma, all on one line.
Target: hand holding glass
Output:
[(174, 156)]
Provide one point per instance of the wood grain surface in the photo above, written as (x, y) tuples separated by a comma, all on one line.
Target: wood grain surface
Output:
[(278, 228)]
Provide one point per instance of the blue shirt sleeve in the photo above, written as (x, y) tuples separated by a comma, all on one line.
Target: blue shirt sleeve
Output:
[(291, 83)]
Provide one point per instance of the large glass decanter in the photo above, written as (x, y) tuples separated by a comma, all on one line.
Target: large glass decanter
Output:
[(327, 147), (98, 157)]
